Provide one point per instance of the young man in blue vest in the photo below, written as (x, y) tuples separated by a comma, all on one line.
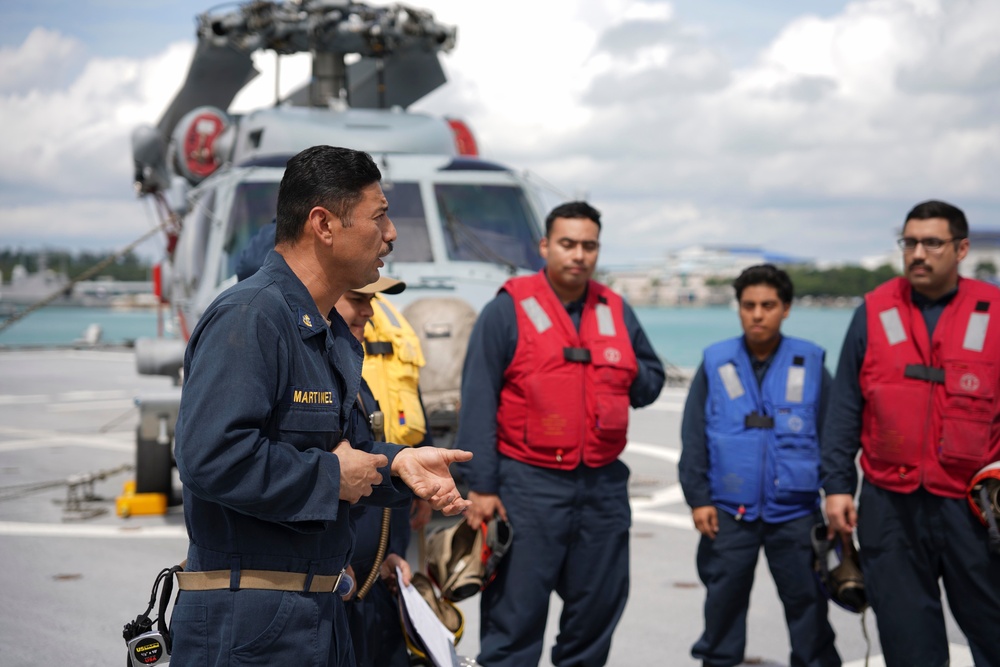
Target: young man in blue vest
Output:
[(553, 364), (918, 392), (749, 469)]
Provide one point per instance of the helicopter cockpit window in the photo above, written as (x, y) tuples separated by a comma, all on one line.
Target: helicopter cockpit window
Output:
[(406, 210), (254, 205), (488, 223)]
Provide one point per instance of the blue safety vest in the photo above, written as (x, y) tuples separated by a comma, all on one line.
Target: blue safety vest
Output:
[(763, 446)]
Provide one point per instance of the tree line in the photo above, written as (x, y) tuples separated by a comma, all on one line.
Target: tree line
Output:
[(840, 281), (846, 281), (129, 266)]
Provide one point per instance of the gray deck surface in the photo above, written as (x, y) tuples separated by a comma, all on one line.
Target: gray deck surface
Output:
[(69, 584)]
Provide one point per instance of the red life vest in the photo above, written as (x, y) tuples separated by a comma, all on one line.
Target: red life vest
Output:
[(932, 406), (565, 397)]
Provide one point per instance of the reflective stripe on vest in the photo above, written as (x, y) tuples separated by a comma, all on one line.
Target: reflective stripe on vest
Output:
[(605, 320), (892, 325), (975, 331), (539, 318), (731, 381), (795, 384)]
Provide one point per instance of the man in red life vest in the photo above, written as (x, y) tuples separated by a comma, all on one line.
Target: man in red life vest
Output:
[(918, 390), (553, 364)]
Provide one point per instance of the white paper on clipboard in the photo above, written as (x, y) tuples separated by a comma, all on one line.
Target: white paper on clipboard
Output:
[(432, 633)]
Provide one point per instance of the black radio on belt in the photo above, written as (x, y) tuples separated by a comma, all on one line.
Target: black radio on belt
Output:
[(580, 355), (147, 646)]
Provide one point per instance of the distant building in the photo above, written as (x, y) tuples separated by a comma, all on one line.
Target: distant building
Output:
[(984, 252), (697, 275), (27, 289), (702, 274)]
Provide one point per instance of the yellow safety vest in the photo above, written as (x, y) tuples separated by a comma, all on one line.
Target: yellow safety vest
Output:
[(393, 359)]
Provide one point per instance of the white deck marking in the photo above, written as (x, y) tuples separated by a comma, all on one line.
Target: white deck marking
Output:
[(22, 399), (659, 451), (118, 532), (670, 495), (22, 438), (664, 519), (87, 406), (961, 656), (68, 397), (666, 406), (93, 395)]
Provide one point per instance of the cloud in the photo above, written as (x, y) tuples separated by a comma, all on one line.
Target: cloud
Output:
[(46, 61), (82, 224), (815, 146), (73, 141), (827, 129), (957, 51), (66, 167)]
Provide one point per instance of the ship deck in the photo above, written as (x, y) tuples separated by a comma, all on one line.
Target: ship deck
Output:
[(74, 572)]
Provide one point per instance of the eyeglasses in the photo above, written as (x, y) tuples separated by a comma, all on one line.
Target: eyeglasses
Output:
[(932, 244)]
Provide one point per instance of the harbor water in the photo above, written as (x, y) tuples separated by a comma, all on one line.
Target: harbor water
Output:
[(678, 334)]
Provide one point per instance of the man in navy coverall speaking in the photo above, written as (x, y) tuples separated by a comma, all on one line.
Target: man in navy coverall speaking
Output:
[(271, 372)]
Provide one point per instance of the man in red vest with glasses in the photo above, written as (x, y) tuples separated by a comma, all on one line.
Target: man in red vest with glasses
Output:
[(918, 391)]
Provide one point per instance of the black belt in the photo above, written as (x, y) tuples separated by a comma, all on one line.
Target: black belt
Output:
[(377, 347), (927, 373), (754, 420)]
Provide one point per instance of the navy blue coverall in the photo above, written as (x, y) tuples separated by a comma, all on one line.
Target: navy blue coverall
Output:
[(727, 564), (911, 541), (267, 396), (571, 528)]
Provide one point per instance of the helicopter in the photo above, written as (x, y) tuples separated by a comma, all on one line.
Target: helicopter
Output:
[(465, 224)]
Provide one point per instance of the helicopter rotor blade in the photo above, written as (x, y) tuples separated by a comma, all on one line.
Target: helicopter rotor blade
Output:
[(216, 75), (406, 77)]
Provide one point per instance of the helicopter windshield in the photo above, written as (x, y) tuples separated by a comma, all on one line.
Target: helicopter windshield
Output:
[(254, 204), (482, 223), (488, 223), (406, 210)]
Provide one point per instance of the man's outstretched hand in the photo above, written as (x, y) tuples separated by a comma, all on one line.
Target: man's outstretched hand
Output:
[(425, 471)]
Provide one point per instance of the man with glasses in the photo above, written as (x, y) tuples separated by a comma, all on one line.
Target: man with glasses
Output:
[(918, 390)]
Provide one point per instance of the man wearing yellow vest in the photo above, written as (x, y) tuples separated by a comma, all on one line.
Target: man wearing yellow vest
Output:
[(393, 360), (391, 370)]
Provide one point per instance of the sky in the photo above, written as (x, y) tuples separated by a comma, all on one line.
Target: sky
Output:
[(808, 128)]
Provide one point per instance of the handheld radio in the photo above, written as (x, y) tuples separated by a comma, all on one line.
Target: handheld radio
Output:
[(147, 646)]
